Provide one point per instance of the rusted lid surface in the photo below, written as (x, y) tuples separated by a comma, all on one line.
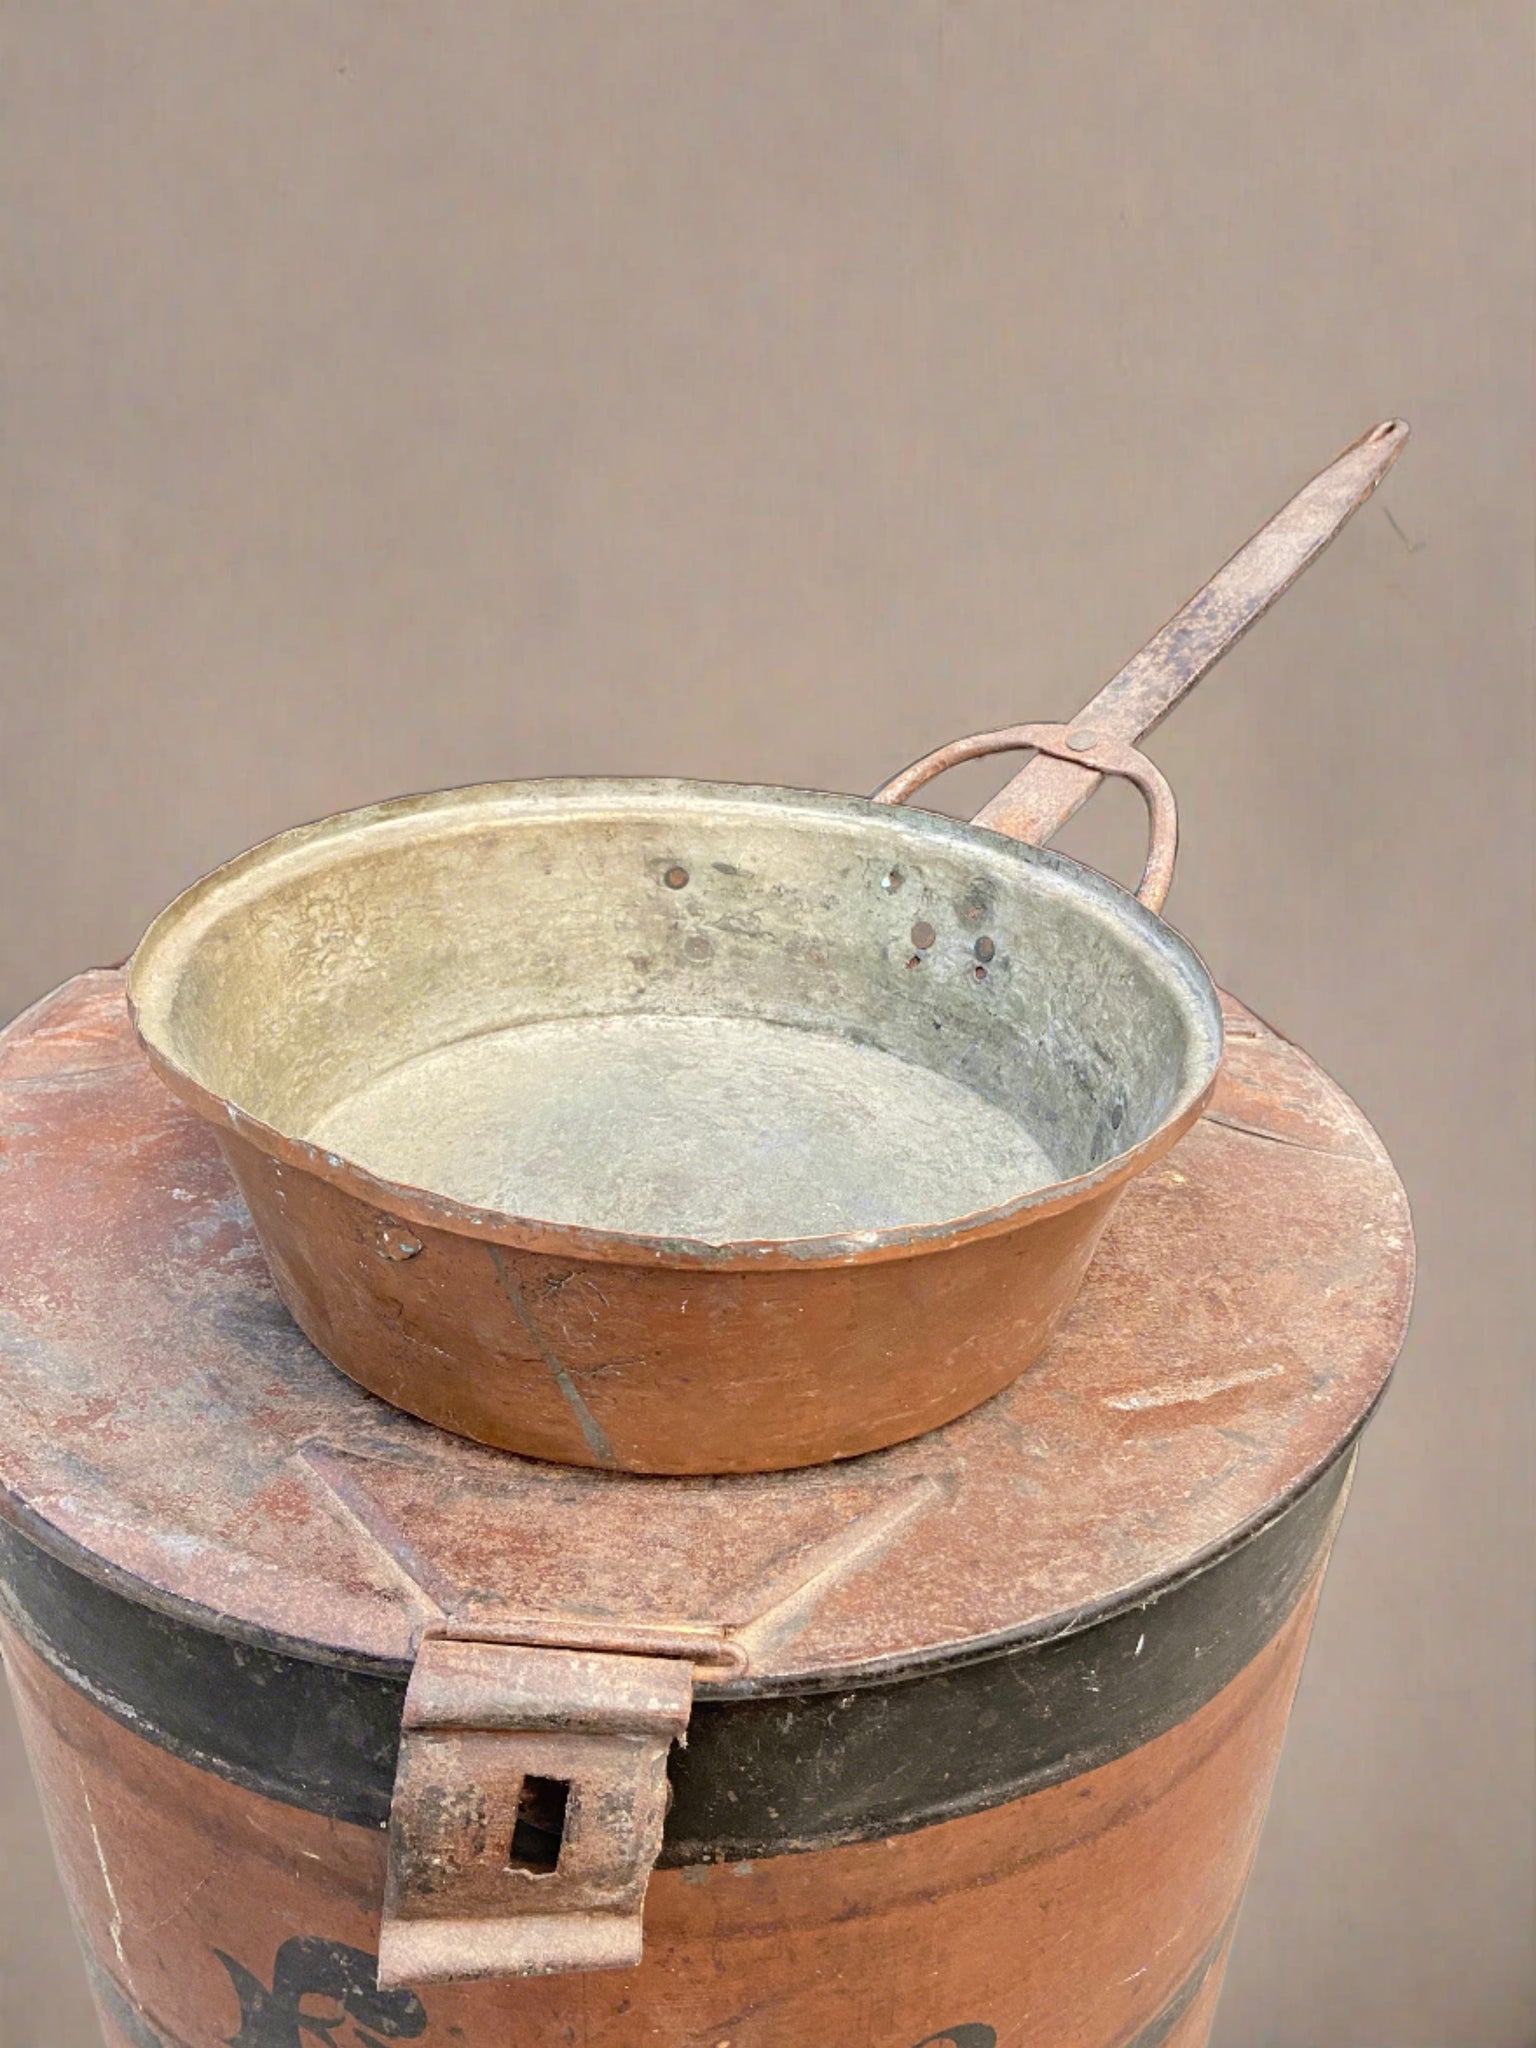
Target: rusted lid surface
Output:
[(161, 1414)]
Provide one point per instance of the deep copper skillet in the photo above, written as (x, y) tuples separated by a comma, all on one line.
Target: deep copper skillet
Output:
[(685, 1127)]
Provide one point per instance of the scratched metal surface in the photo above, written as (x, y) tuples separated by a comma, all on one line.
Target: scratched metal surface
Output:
[(365, 998), (161, 1417)]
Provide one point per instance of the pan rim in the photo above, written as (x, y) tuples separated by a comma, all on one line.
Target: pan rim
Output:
[(158, 961)]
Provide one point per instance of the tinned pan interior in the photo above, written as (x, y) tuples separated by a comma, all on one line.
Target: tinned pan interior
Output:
[(286, 985)]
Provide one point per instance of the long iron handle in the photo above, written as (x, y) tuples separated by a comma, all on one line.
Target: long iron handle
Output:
[(1047, 791)]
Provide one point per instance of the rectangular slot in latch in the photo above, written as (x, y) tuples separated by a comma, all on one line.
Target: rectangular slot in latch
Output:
[(540, 1826), (528, 1809)]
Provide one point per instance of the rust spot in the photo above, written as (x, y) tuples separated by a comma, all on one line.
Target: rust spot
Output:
[(284, 1500)]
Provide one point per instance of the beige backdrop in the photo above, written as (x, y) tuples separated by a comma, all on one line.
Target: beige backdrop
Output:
[(403, 394)]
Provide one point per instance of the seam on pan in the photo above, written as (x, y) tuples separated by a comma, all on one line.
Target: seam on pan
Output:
[(593, 1434)]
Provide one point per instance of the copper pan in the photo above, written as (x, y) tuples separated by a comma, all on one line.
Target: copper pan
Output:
[(699, 1128)]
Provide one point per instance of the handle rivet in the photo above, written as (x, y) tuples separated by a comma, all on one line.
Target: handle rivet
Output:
[(1079, 742)]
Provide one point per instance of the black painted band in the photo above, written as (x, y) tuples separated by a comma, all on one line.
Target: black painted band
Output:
[(760, 1776)]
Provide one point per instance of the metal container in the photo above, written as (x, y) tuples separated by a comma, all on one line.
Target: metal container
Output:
[(348, 1730), (677, 1128)]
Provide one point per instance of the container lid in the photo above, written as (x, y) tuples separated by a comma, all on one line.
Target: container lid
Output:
[(166, 1429)]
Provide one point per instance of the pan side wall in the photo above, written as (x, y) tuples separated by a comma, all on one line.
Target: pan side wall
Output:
[(651, 1369), (1096, 1913)]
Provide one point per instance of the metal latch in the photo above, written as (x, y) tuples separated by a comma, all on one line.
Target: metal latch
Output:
[(529, 1799)]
